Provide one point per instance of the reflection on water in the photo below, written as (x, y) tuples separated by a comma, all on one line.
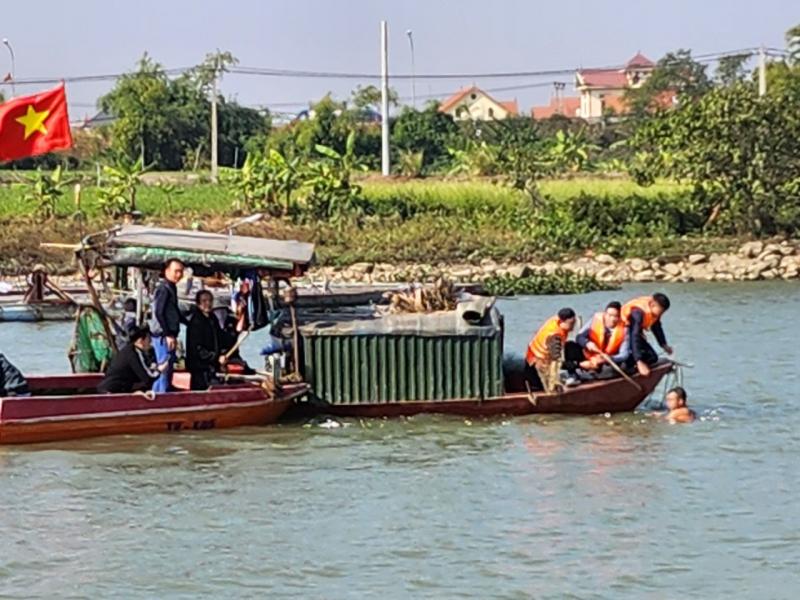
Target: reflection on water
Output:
[(438, 507)]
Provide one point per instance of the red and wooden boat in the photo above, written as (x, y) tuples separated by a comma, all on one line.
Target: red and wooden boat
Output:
[(596, 397), (67, 407)]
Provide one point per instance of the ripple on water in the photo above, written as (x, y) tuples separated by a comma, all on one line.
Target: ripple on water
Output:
[(624, 506)]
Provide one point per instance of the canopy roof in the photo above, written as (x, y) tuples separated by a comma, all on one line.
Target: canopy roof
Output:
[(138, 245)]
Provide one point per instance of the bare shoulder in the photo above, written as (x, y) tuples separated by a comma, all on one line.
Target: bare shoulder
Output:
[(681, 415)]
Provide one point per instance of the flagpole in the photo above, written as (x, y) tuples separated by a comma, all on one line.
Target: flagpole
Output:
[(7, 44)]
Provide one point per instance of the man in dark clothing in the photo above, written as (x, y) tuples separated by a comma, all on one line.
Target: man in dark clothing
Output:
[(132, 369), (203, 342), (640, 315), (12, 382), (166, 321)]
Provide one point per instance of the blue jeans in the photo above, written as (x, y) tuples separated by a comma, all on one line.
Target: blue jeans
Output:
[(162, 384)]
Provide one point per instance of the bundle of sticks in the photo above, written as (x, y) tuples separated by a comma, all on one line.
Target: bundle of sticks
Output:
[(418, 299)]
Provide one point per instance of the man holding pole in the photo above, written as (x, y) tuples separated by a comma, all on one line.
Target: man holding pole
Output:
[(603, 336)]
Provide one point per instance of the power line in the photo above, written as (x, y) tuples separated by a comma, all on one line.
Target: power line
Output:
[(311, 74)]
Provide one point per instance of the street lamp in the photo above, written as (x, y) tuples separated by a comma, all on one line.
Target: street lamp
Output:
[(410, 35), (7, 44)]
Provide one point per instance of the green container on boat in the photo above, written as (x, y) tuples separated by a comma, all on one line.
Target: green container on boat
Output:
[(404, 357)]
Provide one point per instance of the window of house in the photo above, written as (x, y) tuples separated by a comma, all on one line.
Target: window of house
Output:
[(491, 113), (473, 96)]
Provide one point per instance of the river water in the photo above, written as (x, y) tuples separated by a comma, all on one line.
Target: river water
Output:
[(624, 506)]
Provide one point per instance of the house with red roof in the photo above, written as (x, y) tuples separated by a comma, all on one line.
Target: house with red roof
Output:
[(472, 103), (600, 91)]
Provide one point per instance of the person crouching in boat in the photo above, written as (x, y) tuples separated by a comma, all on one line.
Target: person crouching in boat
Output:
[(603, 334), (203, 335), (133, 368), (543, 358), (677, 409), (640, 315), (12, 381)]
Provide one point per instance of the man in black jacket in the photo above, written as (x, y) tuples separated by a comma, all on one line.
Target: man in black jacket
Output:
[(203, 353), (132, 369), (12, 382), (166, 321)]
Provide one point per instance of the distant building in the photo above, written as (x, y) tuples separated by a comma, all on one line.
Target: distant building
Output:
[(569, 106), (99, 120), (600, 91), (472, 103)]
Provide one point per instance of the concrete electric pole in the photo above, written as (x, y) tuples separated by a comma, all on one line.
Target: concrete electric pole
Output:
[(214, 149), (385, 161), (762, 71)]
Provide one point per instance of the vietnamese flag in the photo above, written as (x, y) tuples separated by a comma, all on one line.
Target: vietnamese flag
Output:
[(33, 125)]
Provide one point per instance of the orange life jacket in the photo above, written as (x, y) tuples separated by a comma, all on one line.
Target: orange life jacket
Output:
[(538, 346), (597, 333), (643, 304)]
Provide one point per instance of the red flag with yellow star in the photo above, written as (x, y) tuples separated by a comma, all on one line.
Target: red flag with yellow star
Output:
[(33, 125)]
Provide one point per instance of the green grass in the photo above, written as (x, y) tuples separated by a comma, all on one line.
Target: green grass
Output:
[(405, 198)]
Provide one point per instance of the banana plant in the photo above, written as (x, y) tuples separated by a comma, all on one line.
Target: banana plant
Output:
[(331, 193), (45, 191), (570, 151), (117, 195)]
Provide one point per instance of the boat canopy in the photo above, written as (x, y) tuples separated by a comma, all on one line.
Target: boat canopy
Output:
[(151, 247)]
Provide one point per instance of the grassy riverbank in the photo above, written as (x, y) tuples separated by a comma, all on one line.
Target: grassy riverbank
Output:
[(407, 221)]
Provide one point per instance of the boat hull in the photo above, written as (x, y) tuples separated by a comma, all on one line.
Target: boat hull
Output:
[(597, 397), (84, 414)]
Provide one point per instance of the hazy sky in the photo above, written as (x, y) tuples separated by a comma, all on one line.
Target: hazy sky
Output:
[(57, 38)]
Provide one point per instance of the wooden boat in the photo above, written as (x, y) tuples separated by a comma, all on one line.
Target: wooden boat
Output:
[(67, 407), (449, 362), (595, 397)]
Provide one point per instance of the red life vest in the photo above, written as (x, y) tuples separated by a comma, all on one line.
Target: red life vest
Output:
[(643, 304), (538, 346), (597, 334)]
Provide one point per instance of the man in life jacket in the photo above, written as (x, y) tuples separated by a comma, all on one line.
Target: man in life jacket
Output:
[(543, 358), (604, 333), (640, 315)]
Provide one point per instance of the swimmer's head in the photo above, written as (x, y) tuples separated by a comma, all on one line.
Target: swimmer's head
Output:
[(676, 398)]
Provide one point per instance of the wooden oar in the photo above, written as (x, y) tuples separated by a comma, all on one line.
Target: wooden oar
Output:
[(619, 370), (242, 337)]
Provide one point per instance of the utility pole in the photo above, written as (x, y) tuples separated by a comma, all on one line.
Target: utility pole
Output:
[(410, 35), (214, 157), (7, 44), (385, 160), (762, 71)]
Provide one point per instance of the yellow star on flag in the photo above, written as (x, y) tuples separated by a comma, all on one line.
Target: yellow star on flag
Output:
[(33, 121)]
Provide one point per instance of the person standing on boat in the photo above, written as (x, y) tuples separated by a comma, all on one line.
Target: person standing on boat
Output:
[(132, 369), (640, 315), (203, 345), (544, 355), (166, 321), (603, 334)]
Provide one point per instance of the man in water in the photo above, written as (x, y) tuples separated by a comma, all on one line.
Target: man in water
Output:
[(133, 369), (543, 358), (640, 315), (203, 334), (604, 333), (12, 381), (678, 411), (166, 321)]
